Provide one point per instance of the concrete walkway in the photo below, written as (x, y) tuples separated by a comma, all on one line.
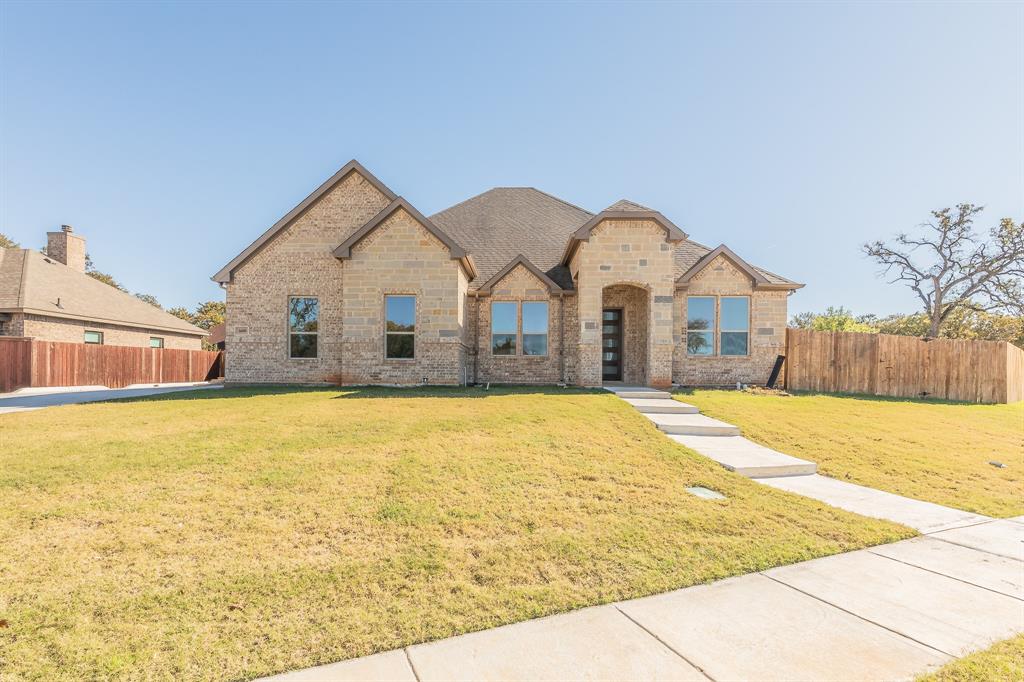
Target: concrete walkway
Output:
[(885, 613), (37, 398)]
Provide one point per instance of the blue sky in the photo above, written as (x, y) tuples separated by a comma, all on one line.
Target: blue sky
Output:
[(171, 135)]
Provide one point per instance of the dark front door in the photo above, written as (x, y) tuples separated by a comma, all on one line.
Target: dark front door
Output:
[(611, 344)]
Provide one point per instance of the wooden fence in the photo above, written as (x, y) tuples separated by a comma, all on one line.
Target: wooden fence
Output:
[(904, 366), (26, 362)]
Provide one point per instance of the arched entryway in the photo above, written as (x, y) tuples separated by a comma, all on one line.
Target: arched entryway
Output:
[(625, 315)]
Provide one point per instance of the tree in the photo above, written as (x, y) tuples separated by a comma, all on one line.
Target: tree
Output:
[(209, 314), (150, 299), (833, 320), (181, 312), (951, 268), (8, 243), (106, 279)]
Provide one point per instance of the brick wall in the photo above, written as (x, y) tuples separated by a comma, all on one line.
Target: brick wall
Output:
[(633, 302), (767, 330), (73, 331), (402, 257), (297, 262), (518, 285)]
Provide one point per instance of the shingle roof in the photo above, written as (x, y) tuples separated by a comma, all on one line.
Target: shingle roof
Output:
[(497, 226), (32, 283)]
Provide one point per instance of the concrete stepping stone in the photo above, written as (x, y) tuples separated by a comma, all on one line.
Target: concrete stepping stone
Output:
[(992, 572), (598, 643), (692, 425), (926, 517), (392, 666), (747, 458), (753, 628), (639, 392), (661, 406), (1002, 538), (941, 612)]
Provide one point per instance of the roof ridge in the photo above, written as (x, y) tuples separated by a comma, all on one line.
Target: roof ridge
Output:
[(559, 199), (530, 187), (464, 201)]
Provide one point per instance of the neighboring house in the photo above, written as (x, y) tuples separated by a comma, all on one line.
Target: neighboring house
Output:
[(49, 297), (216, 338), (356, 286)]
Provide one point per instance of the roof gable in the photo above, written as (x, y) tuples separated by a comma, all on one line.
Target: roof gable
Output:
[(757, 276), (516, 262), (353, 166), (344, 250)]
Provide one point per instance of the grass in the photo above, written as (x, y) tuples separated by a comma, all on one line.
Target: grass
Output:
[(928, 450), (230, 534), (999, 663)]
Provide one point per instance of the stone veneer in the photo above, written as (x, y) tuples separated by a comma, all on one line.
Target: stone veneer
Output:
[(73, 331), (767, 329), (625, 263)]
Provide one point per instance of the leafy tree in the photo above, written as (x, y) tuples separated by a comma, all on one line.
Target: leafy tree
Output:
[(950, 267), (106, 279), (150, 299), (8, 243), (832, 320), (209, 314), (181, 312)]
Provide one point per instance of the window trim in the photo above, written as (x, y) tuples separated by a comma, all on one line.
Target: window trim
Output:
[(92, 343), (415, 325), (722, 329), (547, 329), (288, 328), (514, 332), (156, 338), (712, 330)]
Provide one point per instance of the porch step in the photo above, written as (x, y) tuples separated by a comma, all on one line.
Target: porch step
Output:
[(639, 392), (661, 406), (747, 458), (692, 425)]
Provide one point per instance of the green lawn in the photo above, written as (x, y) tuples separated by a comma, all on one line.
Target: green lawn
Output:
[(224, 535), (928, 450), (1000, 663)]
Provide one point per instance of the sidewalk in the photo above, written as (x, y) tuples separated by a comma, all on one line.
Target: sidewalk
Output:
[(883, 613), (37, 398)]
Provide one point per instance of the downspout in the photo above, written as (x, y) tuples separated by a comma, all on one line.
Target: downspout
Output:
[(476, 337)]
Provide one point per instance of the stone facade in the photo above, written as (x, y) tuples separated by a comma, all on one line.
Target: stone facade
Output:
[(73, 331), (767, 329), (624, 262)]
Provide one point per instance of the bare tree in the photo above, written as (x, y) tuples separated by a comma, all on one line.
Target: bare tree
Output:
[(950, 267)]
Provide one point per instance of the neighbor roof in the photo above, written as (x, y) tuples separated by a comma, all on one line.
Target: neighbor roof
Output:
[(32, 283)]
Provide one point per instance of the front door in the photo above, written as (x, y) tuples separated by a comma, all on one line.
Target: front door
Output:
[(611, 344)]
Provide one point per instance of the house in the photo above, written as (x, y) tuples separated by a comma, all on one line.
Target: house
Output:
[(51, 298), (356, 286)]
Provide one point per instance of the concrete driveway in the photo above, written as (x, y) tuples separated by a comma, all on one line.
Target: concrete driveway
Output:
[(24, 400)]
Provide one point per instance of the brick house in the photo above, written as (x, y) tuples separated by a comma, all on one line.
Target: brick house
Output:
[(355, 286), (51, 298)]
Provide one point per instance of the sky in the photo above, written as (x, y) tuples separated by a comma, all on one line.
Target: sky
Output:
[(171, 135)]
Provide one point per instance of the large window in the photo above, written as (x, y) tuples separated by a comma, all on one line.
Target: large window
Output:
[(735, 325), (503, 327), (400, 329), (700, 325), (535, 328), (94, 337), (303, 325)]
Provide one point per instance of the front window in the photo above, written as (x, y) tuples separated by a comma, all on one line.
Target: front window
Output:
[(94, 337), (735, 325), (700, 325), (303, 327), (535, 328), (156, 342), (503, 327), (400, 330)]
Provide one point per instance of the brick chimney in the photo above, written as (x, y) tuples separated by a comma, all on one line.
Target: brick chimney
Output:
[(66, 247)]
